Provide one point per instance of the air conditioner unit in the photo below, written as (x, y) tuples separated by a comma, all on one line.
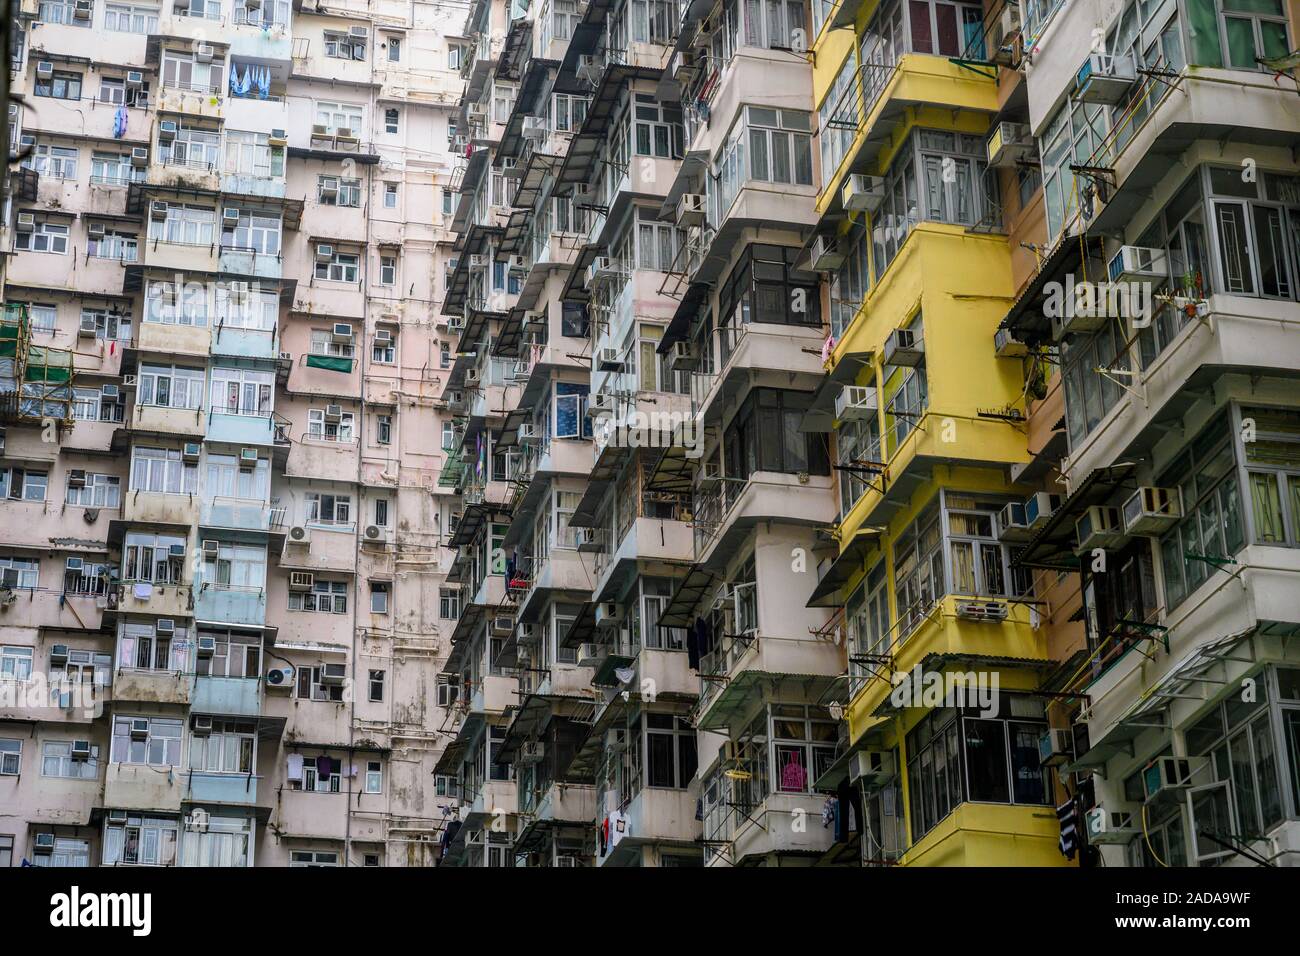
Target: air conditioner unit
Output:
[(203, 53), (165, 625), (609, 360), (176, 550), (280, 677), (166, 131), (230, 216), (1039, 507), (383, 336), (299, 534), (1168, 777), (589, 655), (1077, 321), (862, 193), (1105, 78), (827, 254), (855, 403), (320, 131), (987, 611), (334, 675), (591, 539), (1107, 828), (602, 267), (517, 263), (690, 210), (134, 80), (202, 725), (211, 548), (342, 331), (1138, 263), (95, 230), (478, 260), (710, 474), (607, 613), (26, 222), (527, 431), (128, 381), (1010, 143), (191, 450), (532, 751), (82, 750), (476, 113), (600, 403), (904, 347), (1006, 345), (471, 376), (333, 413), (1010, 22), (345, 133), (140, 728), (1152, 511), (589, 69), (43, 844), (510, 167), (140, 156), (82, 9), (873, 769), (76, 479), (158, 210), (44, 69), (684, 357), (278, 137), (116, 816), (359, 33), (374, 533), (301, 580), (1055, 747), (109, 392), (1098, 527), (1011, 524), (58, 653), (324, 252)]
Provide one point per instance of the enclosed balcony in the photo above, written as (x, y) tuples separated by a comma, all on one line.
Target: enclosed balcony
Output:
[(141, 787)]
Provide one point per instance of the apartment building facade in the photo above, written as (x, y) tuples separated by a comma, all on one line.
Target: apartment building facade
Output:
[(225, 255)]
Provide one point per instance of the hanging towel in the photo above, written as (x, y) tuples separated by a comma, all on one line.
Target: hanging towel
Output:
[(119, 122), (1067, 814), (294, 771), (142, 591), (324, 768), (693, 645)]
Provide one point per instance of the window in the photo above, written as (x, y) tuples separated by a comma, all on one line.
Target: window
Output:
[(60, 86), (227, 748), (16, 662), (378, 598), (657, 241), (326, 597), (455, 56), (195, 147), (374, 776), (312, 685), (122, 18), (333, 191), (6, 851), (328, 509), (226, 476), (670, 759), (376, 685), (234, 654), (388, 270), (156, 558), (444, 361), (94, 490), (370, 859), (381, 512), (236, 566), (185, 225), (341, 267), (394, 47), (448, 604), (340, 116), (447, 690), (226, 842), (68, 852), (568, 112), (390, 195), (384, 428), (56, 162), (242, 391), (178, 304), (44, 318), (765, 436), (391, 119), (21, 484), (344, 46), (322, 427), (1273, 474), (141, 841), (258, 234), (251, 154), (11, 756), (182, 71), (325, 342), (170, 386), (1072, 135), (657, 127), (92, 578), (144, 647), (146, 741), (772, 23), (123, 246), (313, 858), (448, 203), (45, 237)]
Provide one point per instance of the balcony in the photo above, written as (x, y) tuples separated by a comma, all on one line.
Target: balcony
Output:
[(179, 256), (229, 789), (493, 694), (230, 605), (655, 816), (726, 511), (134, 787), (166, 338), (162, 420), (756, 355), (242, 261), (163, 600), (227, 696), (149, 507), (326, 548), (240, 429), (152, 687), (244, 343), (240, 514), (769, 828), (989, 834), (306, 814), (185, 167), (194, 104)]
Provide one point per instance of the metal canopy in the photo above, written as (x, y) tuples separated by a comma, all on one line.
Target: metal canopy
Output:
[(684, 605), (674, 472), (843, 567), (1053, 547), (1028, 317)]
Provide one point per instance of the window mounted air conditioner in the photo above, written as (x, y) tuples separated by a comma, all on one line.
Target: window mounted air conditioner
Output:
[(134, 80), (690, 210), (81, 750), (1039, 507), (476, 113), (710, 474), (76, 479), (43, 844), (1055, 747), (855, 403), (140, 728), (230, 216), (1006, 345), (95, 230), (211, 548), (517, 263), (1110, 828), (827, 254), (1009, 144), (333, 413), (1010, 21), (1152, 511), (165, 625), (334, 674), (158, 210), (608, 360), (83, 9), (987, 611), (324, 252), (383, 336), (207, 646), (600, 403), (116, 816), (75, 565), (278, 137), (87, 329), (59, 653), (1138, 264), (345, 133), (248, 458), (342, 331), (532, 751), (1169, 777), (862, 193), (589, 655), (202, 725), (1098, 527), (45, 69), (527, 432), (471, 376), (203, 53), (128, 381), (477, 260), (684, 358), (140, 156), (1104, 78), (320, 131), (905, 348), (503, 624), (166, 131), (191, 451), (176, 550), (109, 392), (359, 33), (26, 222), (873, 769), (607, 613), (591, 539)]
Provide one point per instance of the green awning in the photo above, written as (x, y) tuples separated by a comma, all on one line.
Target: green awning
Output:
[(331, 363)]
